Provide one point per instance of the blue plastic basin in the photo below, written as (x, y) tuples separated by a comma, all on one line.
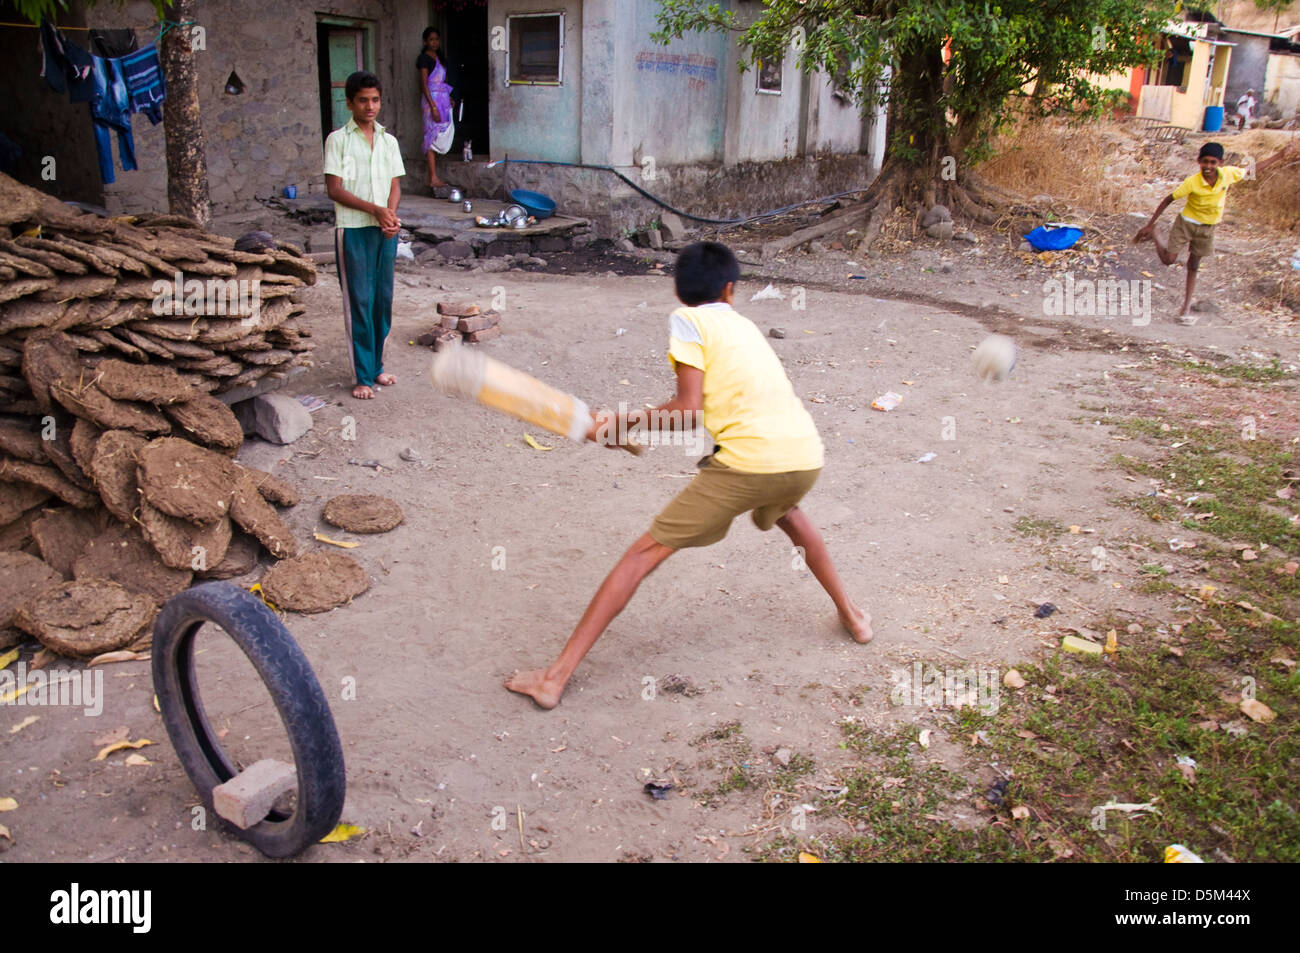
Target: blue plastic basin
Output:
[(539, 206)]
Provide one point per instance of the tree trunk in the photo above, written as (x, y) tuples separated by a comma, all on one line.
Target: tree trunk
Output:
[(187, 167)]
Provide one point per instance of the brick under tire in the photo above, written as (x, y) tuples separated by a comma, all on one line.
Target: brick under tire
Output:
[(293, 687)]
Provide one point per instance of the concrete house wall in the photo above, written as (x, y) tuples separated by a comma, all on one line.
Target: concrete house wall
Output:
[(683, 111), (669, 101), (1249, 63), (1282, 83), (543, 122)]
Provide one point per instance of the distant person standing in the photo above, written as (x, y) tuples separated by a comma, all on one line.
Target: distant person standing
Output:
[(1246, 109), (363, 169), (435, 98)]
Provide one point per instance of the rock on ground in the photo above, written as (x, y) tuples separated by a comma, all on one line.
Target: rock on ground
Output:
[(277, 418)]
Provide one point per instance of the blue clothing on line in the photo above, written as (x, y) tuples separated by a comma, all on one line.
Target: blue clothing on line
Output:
[(144, 82), (111, 109)]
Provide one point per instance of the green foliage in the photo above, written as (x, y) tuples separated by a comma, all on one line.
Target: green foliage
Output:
[(36, 10), (1005, 54)]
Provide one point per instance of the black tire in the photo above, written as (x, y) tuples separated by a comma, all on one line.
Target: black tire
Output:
[(294, 689)]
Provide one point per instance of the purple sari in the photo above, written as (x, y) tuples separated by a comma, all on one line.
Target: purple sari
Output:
[(441, 94)]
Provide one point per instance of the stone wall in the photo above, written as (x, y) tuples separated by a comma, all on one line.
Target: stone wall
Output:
[(270, 136)]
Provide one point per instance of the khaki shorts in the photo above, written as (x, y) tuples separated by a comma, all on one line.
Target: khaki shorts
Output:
[(1185, 234), (701, 514)]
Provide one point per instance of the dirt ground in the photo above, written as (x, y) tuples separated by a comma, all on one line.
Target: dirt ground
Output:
[(503, 545)]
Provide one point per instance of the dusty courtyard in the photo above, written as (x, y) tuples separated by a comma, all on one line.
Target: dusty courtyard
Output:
[(503, 545)]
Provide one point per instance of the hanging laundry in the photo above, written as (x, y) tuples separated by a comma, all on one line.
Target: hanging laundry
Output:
[(113, 44), (144, 82), (111, 110), (65, 66)]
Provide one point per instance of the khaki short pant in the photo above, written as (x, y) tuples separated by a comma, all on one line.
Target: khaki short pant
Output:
[(1184, 234), (701, 514)]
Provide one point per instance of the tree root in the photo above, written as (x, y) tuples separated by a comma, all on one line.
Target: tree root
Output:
[(972, 209), (884, 208)]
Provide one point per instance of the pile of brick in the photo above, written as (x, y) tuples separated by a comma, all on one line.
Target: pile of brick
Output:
[(118, 483), (459, 320)]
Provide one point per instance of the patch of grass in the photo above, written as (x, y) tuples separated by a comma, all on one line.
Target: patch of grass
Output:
[(1158, 723), (1114, 733), (788, 777), (730, 752), (737, 779), (1228, 481), (1042, 528), (729, 730), (1242, 372)]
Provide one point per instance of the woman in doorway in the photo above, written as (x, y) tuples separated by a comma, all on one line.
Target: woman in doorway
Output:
[(435, 94)]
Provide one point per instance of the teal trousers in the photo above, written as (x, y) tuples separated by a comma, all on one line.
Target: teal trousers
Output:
[(365, 261)]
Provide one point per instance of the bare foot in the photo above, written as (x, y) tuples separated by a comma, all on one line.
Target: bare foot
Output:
[(537, 687), (857, 625), (388, 380), (362, 392)]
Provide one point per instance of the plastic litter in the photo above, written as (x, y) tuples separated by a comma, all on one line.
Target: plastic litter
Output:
[(769, 293), (1178, 854), (887, 401), (1055, 236), (1080, 646)]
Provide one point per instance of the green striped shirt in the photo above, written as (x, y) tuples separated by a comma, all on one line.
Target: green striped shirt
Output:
[(367, 173)]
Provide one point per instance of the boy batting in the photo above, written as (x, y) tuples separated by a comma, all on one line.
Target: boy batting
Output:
[(767, 456), (1206, 192)]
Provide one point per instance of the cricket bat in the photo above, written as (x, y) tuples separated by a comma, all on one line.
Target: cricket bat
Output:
[(463, 372)]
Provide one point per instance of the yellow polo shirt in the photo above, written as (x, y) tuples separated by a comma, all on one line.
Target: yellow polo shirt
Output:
[(366, 172), (1205, 203), (750, 405)]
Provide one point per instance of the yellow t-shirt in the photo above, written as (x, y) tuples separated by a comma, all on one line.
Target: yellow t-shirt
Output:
[(1205, 204), (750, 405)]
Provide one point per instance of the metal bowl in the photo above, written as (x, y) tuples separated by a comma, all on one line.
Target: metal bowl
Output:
[(519, 223), (456, 195), (513, 213)]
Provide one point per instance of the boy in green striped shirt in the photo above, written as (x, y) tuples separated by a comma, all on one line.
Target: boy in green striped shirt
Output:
[(362, 167)]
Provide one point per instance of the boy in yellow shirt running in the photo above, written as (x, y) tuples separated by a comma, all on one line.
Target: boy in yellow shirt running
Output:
[(767, 456), (1206, 193)]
